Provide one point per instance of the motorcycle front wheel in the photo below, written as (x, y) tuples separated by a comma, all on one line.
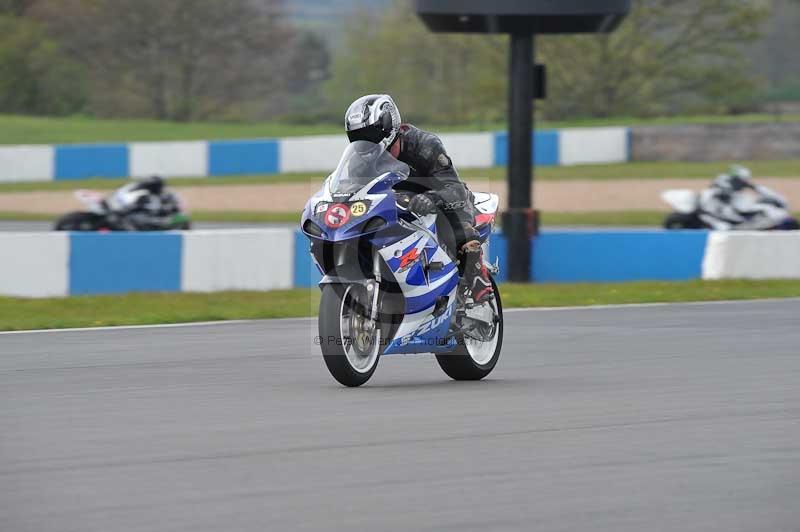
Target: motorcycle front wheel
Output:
[(476, 355), (350, 341)]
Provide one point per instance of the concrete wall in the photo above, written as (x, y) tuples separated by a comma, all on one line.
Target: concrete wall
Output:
[(468, 150), (34, 265), (724, 142), (583, 256), (61, 264), (752, 255), (241, 259), (27, 163), (64, 264)]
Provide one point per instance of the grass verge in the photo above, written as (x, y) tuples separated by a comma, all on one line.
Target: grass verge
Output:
[(15, 129), (603, 219), (592, 172), (142, 309)]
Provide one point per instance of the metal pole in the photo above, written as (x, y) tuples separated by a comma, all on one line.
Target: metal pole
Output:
[(518, 222)]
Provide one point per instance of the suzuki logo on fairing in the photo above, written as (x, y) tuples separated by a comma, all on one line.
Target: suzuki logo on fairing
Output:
[(408, 260), (429, 325)]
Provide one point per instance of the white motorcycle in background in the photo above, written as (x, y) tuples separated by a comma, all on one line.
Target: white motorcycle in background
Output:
[(749, 211)]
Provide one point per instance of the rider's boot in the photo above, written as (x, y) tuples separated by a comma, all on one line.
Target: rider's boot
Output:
[(476, 274)]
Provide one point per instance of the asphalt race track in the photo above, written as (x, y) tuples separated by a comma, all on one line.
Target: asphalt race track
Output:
[(666, 418)]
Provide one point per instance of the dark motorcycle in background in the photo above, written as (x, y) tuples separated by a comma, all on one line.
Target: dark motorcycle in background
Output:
[(127, 209)]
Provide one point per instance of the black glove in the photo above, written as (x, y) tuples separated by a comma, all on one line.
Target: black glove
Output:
[(422, 205)]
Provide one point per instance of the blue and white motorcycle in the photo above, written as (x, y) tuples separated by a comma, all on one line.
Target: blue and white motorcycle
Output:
[(390, 284)]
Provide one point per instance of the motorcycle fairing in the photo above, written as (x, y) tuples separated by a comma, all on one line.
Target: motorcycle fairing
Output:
[(425, 332), (421, 285), (378, 196), (486, 204)]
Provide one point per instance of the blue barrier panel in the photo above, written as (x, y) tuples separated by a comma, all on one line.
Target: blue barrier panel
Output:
[(91, 160), (306, 273), (629, 155), (545, 148), (618, 256), (114, 263), (236, 157)]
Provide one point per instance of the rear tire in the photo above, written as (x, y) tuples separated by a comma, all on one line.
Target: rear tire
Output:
[(339, 350), (679, 220), (461, 365), (78, 221)]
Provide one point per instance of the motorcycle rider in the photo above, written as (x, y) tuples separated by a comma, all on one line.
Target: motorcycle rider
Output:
[(144, 204), (375, 118), (731, 194)]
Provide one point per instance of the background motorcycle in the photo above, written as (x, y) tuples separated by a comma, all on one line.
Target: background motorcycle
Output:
[(389, 284), (115, 214), (756, 214)]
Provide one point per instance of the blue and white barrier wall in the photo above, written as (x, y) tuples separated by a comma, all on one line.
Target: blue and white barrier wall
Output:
[(61, 264), (297, 154), (616, 256)]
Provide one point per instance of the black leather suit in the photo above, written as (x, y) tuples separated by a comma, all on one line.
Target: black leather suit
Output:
[(433, 170)]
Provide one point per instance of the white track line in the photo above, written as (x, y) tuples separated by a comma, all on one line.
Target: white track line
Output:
[(154, 326), (650, 305), (506, 311)]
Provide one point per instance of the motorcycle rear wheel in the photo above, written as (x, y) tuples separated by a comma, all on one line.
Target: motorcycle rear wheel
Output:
[(679, 220), (472, 360), (350, 349), (78, 221)]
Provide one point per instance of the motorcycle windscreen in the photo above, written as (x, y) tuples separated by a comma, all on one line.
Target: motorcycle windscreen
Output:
[(362, 162)]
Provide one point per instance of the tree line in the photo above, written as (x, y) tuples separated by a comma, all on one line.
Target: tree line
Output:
[(190, 60), (177, 60), (668, 57)]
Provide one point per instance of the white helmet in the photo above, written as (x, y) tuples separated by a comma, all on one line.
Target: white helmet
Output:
[(741, 172), (737, 178), (374, 118)]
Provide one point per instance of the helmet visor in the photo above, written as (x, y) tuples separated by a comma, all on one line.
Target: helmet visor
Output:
[(373, 133)]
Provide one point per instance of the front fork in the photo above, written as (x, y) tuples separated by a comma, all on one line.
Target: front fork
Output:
[(373, 287)]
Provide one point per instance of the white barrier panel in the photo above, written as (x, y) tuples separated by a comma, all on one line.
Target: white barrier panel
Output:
[(470, 150), (169, 159), (27, 163), (594, 145), (241, 259), (752, 255), (34, 264), (311, 154), (322, 153)]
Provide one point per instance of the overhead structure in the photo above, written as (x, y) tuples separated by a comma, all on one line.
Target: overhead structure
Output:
[(523, 20)]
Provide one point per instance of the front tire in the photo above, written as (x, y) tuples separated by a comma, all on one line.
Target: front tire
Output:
[(350, 350), (472, 360)]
